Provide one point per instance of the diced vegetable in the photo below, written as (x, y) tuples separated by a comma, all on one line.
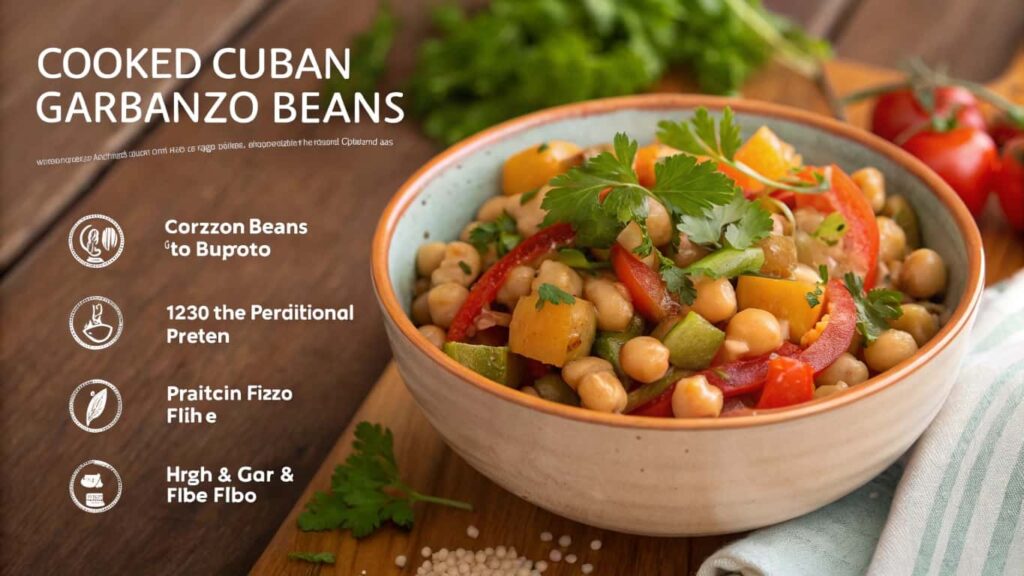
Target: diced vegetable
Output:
[(728, 263), (553, 333), (487, 286), (650, 297), (693, 342), (492, 362), (786, 299), (638, 400), (553, 388), (533, 167), (789, 381), (607, 345), (767, 155), (839, 330)]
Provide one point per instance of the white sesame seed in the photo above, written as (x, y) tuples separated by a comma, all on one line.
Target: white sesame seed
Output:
[(595, 545), (425, 552), (472, 531), (400, 561), (565, 541), (546, 537), (555, 555), (570, 558), (587, 568)]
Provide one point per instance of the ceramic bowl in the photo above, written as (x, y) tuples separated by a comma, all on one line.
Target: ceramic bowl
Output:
[(670, 477)]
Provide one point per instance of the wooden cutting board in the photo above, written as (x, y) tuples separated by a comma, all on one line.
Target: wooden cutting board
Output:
[(503, 519)]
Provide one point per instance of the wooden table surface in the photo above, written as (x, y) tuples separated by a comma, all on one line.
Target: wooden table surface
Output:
[(340, 195)]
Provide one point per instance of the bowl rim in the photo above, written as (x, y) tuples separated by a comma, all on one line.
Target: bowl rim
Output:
[(407, 194)]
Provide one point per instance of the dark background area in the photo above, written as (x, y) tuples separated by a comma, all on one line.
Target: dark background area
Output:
[(340, 193)]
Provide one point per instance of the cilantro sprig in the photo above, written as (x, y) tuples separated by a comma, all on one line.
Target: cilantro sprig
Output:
[(603, 195), (874, 308), (677, 280), (549, 293), (367, 490), (702, 136), (501, 233), (739, 224)]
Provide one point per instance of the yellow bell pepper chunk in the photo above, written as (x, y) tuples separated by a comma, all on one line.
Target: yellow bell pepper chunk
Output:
[(535, 166), (553, 334), (786, 299)]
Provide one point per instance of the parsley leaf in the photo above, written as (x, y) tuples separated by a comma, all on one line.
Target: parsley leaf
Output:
[(554, 295), (312, 557), (502, 233), (874, 308), (831, 229), (367, 490), (740, 223), (814, 297), (686, 186), (677, 281)]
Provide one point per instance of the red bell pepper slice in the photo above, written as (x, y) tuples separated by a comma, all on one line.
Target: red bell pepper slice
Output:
[(790, 381), (650, 296), (860, 241), (838, 333), (487, 286)]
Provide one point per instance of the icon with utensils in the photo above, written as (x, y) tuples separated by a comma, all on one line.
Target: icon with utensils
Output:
[(92, 322), (96, 240)]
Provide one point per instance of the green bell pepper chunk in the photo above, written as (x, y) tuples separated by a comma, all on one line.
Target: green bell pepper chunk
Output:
[(553, 388), (492, 362), (607, 345), (693, 342)]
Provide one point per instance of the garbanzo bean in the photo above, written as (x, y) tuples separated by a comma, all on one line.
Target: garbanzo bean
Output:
[(517, 285), (805, 273), (872, 183), (716, 299), (892, 242), (659, 224), (630, 238), (421, 310), (687, 253), (694, 397), (644, 358), (846, 369), (574, 370), (923, 274), (557, 274), (889, 349), (529, 216), (602, 392), (614, 309), (493, 208), (829, 389), (918, 322), (753, 332), (444, 301), (429, 257), (461, 265), (435, 334)]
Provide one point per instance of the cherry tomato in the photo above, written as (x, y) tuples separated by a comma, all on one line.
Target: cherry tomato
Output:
[(1009, 182), (964, 157), (790, 381), (899, 112), (650, 296), (861, 240)]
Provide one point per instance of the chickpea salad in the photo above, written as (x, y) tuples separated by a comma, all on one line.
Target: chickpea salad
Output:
[(700, 276)]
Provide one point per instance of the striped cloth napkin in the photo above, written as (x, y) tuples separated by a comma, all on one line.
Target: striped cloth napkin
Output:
[(952, 505)]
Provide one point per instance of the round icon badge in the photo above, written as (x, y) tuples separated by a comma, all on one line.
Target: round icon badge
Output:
[(96, 241), (95, 486), (95, 406), (96, 322)]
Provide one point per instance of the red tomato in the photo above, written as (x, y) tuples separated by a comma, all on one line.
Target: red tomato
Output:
[(861, 238), (897, 113), (789, 382), (1009, 182), (650, 297), (838, 333), (964, 157)]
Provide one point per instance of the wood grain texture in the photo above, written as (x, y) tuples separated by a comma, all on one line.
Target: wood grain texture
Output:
[(32, 196), (975, 38)]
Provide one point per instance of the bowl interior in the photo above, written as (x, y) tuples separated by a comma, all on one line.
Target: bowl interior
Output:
[(453, 190)]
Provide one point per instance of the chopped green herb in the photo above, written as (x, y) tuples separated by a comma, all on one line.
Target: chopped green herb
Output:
[(312, 557), (814, 297), (367, 489), (553, 294), (831, 229), (501, 233), (573, 258), (874, 308), (527, 196), (543, 147), (677, 281), (740, 224), (465, 268), (701, 136), (823, 272)]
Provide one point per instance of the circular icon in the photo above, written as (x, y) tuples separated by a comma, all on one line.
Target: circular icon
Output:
[(97, 325), (96, 241), (95, 486), (99, 404)]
